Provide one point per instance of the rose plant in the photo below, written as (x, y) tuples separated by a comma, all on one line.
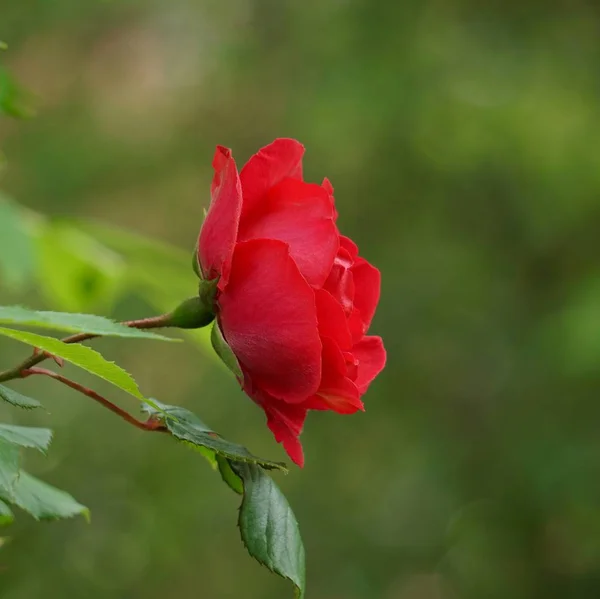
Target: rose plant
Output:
[(290, 302)]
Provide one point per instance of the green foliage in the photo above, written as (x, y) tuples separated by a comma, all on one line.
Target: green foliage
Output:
[(43, 501), (26, 436), (9, 467), (73, 323), (6, 515), (14, 100), (187, 427), (17, 399), (224, 351), (76, 273), (268, 526), (82, 356), (37, 498), (17, 263)]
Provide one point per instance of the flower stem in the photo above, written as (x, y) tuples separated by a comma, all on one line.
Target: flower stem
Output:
[(152, 424)]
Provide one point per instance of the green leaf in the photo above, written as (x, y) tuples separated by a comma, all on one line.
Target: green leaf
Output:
[(26, 436), (6, 515), (9, 468), (45, 502), (18, 400), (268, 526), (81, 356), (229, 476), (159, 272), (17, 263), (187, 427), (77, 273), (74, 323), (14, 100)]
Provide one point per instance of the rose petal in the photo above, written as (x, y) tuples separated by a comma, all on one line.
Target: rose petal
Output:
[(301, 215), (332, 320), (356, 326), (286, 422), (268, 317), (327, 186), (336, 392), (219, 231), (367, 285), (371, 357), (272, 164), (349, 246), (340, 282)]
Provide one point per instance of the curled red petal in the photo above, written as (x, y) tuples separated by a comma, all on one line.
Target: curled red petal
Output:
[(336, 392), (285, 422), (268, 317), (371, 357), (367, 285), (301, 215), (272, 164), (219, 231)]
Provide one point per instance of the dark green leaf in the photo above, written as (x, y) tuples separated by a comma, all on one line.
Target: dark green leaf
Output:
[(18, 400), (9, 468), (268, 526), (26, 436), (187, 427), (43, 501), (74, 323), (6, 515)]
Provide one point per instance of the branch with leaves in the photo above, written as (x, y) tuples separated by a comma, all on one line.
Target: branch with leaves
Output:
[(278, 546)]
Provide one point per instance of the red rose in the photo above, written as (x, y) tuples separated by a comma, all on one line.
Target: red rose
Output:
[(294, 299)]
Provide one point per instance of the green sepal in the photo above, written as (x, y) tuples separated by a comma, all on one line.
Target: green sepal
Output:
[(224, 351), (193, 313)]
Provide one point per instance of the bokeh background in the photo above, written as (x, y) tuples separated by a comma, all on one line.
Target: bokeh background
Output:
[(462, 141)]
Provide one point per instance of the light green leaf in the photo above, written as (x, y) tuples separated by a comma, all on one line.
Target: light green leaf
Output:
[(18, 400), (74, 323), (17, 264), (158, 271), (187, 427), (81, 356), (6, 516), (77, 274), (229, 476), (45, 502), (9, 468), (26, 436), (14, 100), (268, 526)]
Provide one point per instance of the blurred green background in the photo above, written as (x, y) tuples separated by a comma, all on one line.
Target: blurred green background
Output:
[(462, 144)]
